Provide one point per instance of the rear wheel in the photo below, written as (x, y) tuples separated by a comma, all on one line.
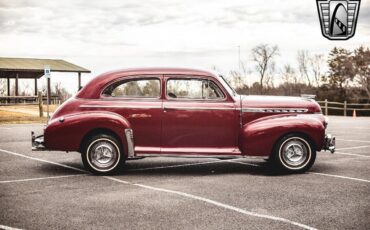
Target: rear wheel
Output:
[(102, 154), (294, 153)]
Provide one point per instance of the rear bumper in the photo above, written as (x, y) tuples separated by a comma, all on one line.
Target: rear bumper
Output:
[(329, 143), (37, 142)]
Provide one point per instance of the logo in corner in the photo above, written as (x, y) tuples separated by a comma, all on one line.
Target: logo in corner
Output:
[(338, 18)]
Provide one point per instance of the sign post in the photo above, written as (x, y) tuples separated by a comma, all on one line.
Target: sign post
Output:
[(47, 75)]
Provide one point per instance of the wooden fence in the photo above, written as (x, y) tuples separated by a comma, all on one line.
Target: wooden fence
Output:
[(344, 108), (28, 100)]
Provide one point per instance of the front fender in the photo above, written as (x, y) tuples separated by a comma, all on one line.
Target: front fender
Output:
[(67, 132), (259, 137)]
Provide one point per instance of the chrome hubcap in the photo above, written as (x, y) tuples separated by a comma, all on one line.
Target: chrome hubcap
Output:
[(294, 152), (103, 154)]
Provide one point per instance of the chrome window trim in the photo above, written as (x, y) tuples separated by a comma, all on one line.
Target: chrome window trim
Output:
[(274, 110), (122, 106), (195, 108), (135, 78), (194, 77)]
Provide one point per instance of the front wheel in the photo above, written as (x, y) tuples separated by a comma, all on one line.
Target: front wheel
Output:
[(294, 153), (102, 154)]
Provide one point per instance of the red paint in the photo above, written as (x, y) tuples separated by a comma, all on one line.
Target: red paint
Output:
[(190, 127)]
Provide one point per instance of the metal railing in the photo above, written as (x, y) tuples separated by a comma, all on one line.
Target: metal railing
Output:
[(346, 107)]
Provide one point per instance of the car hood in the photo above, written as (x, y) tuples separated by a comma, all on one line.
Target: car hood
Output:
[(280, 102)]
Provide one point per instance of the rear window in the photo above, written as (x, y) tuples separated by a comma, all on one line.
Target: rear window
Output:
[(137, 88)]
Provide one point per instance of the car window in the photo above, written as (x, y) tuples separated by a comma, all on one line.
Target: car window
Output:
[(145, 88), (193, 89)]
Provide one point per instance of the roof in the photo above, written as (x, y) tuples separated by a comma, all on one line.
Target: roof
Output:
[(93, 88), (27, 65)]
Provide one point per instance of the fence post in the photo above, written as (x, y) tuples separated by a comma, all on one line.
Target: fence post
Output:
[(345, 108), (326, 107), (39, 95)]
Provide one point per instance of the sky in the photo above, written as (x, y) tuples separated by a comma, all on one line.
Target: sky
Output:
[(115, 34)]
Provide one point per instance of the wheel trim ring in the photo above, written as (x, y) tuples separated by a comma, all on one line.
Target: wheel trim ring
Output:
[(306, 161), (118, 155)]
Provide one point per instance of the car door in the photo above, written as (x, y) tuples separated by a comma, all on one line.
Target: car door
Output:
[(138, 99), (199, 117)]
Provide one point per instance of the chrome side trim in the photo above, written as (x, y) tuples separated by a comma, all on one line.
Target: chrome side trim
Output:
[(202, 156), (274, 110), (130, 143), (121, 106), (195, 108)]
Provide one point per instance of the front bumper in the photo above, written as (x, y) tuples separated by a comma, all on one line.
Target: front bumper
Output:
[(37, 142), (329, 143)]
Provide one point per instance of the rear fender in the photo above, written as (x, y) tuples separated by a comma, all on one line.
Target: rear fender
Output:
[(259, 137), (66, 133)]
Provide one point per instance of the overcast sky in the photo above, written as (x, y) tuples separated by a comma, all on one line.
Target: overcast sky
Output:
[(113, 34)]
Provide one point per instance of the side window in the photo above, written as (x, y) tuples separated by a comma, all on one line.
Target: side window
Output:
[(142, 88), (193, 89)]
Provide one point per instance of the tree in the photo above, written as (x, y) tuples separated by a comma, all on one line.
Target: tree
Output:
[(264, 56), (341, 70), (316, 67), (362, 68), (303, 58)]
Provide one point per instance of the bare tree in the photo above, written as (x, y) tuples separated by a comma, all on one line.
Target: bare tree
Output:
[(303, 58), (3, 86), (316, 63), (264, 55)]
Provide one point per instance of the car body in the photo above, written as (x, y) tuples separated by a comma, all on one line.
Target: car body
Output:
[(136, 113)]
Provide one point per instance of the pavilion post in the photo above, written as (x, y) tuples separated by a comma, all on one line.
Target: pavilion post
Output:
[(79, 81), (16, 87), (8, 85), (8, 89), (35, 86), (16, 84)]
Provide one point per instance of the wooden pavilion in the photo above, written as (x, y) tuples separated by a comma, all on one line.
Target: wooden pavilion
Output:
[(32, 68)]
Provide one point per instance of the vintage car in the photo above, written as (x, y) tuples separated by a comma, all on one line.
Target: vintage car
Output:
[(137, 113)]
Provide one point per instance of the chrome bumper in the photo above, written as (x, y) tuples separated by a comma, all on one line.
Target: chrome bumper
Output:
[(329, 143), (37, 142)]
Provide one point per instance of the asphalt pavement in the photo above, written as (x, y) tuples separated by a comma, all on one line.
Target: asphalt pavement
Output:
[(51, 190)]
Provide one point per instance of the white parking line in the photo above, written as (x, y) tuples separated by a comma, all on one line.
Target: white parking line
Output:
[(42, 160), (177, 193), (8, 228), (338, 176), (355, 147), (175, 166), (352, 154), (216, 203), (38, 178), (189, 164), (322, 174), (339, 139)]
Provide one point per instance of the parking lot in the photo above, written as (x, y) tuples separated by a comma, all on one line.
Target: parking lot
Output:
[(43, 190)]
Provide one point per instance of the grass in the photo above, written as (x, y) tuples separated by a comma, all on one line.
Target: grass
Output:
[(23, 114), (7, 117), (34, 108)]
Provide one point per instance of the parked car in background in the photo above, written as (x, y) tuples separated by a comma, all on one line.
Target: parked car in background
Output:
[(136, 113)]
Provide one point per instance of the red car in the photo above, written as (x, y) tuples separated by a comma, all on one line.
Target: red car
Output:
[(147, 112)]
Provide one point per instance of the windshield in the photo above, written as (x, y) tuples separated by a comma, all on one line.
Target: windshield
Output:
[(227, 86)]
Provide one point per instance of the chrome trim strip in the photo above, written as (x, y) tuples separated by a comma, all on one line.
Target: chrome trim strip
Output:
[(130, 143), (201, 156), (274, 110), (121, 106), (195, 108)]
